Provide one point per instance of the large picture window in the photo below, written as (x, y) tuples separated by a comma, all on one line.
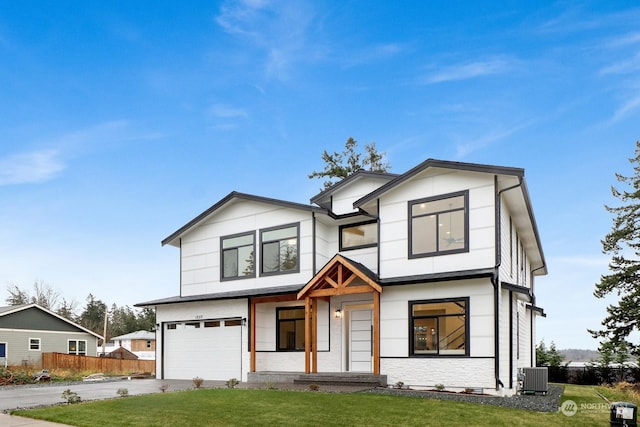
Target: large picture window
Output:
[(356, 236), (279, 250), (290, 328), (237, 254), (439, 327), (439, 225)]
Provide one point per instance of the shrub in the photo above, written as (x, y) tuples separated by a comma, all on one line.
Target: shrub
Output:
[(123, 392), (164, 387), (197, 382), (269, 385), (439, 387), (314, 387), (232, 383), (71, 396), (399, 385)]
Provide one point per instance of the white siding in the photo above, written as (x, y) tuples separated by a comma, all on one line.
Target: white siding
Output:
[(201, 247), (344, 197), (394, 250)]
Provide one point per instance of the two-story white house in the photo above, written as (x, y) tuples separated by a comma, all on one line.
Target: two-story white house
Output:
[(425, 277)]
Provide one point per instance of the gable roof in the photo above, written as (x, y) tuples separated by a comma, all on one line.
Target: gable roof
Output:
[(8, 311), (516, 180), (234, 195), (321, 198), (444, 164)]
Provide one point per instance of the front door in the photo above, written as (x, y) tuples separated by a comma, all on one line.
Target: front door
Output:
[(360, 331)]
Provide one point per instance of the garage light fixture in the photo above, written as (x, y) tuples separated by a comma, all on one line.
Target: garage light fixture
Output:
[(338, 314)]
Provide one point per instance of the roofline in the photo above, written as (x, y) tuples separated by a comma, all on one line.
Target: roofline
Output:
[(247, 293), (439, 277), (227, 199), (534, 224), (34, 305), (434, 163), (350, 178)]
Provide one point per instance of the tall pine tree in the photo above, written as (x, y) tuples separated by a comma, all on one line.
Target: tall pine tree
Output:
[(623, 244)]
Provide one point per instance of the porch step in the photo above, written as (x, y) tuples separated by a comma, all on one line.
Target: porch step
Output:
[(344, 378)]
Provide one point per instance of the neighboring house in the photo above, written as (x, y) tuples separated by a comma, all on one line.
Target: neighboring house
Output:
[(140, 343), (426, 277), (27, 331)]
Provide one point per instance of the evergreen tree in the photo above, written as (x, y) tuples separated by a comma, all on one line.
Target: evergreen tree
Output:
[(623, 244), (341, 165)]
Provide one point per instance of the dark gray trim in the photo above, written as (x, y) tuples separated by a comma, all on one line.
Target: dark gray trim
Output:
[(437, 252), (438, 277), (433, 163), (251, 233), (510, 339), (339, 184), (516, 288), (314, 246), (535, 309), (237, 195), (279, 227), (467, 324), (351, 248), (246, 293), (378, 260)]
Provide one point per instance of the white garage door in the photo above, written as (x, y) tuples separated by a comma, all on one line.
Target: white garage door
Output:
[(209, 349)]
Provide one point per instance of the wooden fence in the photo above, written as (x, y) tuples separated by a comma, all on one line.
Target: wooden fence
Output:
[(105, 365)]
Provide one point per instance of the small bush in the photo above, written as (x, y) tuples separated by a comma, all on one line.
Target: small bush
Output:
[(439, 387), (197, 382), (270, 385), (164, 387), (232, 383), (399, 385), (71, 396), (123, 392), (314, 387)]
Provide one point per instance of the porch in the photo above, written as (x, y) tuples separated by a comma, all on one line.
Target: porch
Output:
[(323, 378)]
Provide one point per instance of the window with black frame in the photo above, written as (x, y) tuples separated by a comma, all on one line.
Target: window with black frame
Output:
[(290, 328), (438, 225), (357, 236), (237, 253), (439, 327), (279, 250)]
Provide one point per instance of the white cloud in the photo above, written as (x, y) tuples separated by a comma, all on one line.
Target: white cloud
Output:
[(467, 71), (626, 109), (30, 167), (279, 29)]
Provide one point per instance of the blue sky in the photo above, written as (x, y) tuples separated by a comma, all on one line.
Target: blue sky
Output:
[(121, 121)]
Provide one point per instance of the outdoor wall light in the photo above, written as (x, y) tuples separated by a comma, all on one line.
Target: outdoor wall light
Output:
[(338, 314)]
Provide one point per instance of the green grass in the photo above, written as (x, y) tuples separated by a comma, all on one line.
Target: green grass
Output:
[(238, 407)]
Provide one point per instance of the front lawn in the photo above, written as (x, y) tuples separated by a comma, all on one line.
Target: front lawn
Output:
[(239, 407)]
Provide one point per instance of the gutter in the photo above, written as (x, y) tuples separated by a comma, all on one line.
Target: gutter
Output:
[(496, 285)]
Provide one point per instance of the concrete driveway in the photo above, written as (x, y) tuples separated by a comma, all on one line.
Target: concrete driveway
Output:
[(29, 396)]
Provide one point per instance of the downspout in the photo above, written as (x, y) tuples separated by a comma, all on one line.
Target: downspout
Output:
[(313, 250), (532, 346), (180, 279), (496, 281)]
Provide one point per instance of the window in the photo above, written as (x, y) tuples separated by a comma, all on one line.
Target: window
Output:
[(192, 325), (237, 253), (290, 328), (233, 322), (357, 236), (439, 327), (78, 347), (438, 225), (172, 325), (212, 324), (279, 252), (34, 344)]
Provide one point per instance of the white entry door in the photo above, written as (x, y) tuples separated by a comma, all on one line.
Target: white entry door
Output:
[(360, 356)]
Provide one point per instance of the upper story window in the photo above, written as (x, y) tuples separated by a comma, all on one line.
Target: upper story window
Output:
[(439, 327), (237, 254), (439, 225), (279, 250), (356, 236)]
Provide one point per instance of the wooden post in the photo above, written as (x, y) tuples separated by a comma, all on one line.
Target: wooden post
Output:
[(376, 333), (307, 334), (314, 335), (252, 328)]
